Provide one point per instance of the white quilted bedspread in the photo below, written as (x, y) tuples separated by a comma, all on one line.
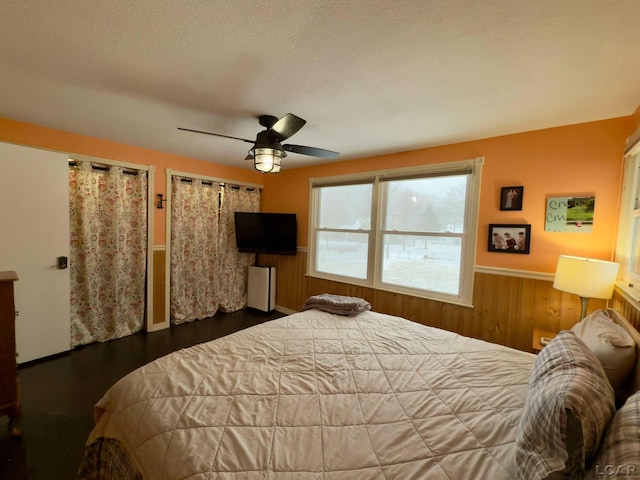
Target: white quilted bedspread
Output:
[(319, 396)]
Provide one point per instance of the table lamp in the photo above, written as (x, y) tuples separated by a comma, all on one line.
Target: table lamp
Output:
[(585, 277)]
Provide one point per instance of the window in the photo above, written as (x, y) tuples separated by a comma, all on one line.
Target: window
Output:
[(628, 248), (344, 230), (409, 230)]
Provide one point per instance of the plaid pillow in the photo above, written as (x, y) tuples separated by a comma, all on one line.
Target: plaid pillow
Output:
[(568, 406), (107, 459), (620, 451)]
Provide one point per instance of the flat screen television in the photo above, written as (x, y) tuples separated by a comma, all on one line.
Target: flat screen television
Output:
[(272, 233)]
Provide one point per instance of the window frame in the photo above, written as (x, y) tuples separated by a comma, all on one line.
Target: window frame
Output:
[(629, 281), (472, 167)]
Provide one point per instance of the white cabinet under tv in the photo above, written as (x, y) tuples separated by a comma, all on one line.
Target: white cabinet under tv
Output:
[(261, 288)]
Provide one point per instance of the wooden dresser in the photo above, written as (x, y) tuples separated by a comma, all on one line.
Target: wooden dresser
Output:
[(9, 385)]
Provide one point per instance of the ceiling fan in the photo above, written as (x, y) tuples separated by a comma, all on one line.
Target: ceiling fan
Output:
[(267, 150)]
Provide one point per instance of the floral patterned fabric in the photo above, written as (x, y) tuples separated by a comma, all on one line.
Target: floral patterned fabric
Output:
[(194, 249), (234, 265), (207, 271), (108, 224)]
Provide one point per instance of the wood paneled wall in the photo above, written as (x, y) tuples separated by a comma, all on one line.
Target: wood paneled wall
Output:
[(506, 308), (159, 265), (629, 311)]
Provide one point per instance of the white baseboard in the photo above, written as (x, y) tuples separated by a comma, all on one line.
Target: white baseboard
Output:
[(155, 327)]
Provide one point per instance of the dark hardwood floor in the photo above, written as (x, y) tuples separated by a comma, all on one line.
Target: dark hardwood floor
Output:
[(58, 394)]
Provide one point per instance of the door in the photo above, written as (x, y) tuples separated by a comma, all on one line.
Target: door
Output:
[(34, 214)]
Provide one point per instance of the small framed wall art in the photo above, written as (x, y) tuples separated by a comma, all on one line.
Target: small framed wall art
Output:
[(570, 213), (511, 198), (509, 238)]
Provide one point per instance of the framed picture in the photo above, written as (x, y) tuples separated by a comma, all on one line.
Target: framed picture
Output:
[(570, 213), (511, 198), (509, 238)]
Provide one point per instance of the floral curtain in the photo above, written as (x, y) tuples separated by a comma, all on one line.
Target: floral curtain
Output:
[(234, 266), (108, 223), (194, 249)]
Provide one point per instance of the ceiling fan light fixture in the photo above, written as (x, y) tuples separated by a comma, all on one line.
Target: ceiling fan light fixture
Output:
[(267, 152), (267, 160)]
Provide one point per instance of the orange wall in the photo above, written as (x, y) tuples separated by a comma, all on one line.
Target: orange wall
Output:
[(26, 134), (570, 160)]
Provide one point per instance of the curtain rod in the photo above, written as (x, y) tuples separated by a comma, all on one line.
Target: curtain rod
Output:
[(106, 168), (227, 181), (108, 162), (222, 185)]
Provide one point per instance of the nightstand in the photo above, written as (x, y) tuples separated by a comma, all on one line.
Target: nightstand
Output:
[(537, 336)]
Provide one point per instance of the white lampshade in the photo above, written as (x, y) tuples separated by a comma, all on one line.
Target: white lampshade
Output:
[(586, 277)]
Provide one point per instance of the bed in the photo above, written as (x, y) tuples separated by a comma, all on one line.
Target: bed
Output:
[(318, 395)]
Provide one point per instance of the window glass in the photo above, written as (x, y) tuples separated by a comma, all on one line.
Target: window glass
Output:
[(422, 262), (433, 204), (411, 233), (634, 254), (342, 232), (628, 247), (634, 262), (342, 253), (345, 207)]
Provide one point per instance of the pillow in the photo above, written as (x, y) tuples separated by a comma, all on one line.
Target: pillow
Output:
[(568, 406), (619, 453), (611, 343)]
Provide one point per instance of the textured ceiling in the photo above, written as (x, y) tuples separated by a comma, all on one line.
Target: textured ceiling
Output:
[(369, 76)]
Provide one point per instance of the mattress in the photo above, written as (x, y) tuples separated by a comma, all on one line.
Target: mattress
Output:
[(318, 396)]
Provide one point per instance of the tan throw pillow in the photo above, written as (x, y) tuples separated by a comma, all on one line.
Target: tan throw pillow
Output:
[(611, 343)]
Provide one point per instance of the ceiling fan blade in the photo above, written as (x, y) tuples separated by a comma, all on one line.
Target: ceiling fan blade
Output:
[(249, 157), (314, 152), (215, 134), (286, 127)]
